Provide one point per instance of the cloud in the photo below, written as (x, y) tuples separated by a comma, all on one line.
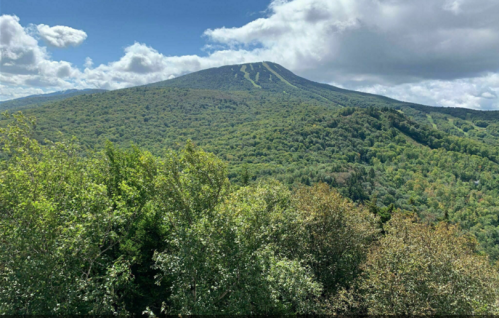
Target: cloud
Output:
[(476, 93), (11, 92), (61, 36), (19, 52), (25, 66), (383, 45), (88, 62), (436, 52), (453, 6), (142, 64), (361, 42)]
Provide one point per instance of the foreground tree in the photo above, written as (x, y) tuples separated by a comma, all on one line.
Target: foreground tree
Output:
[(120, 232), (417, 269), (229, 260), (331, 234), (68, 223)]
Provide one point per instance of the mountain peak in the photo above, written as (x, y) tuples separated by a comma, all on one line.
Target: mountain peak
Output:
[(248, 76), (267, 77)]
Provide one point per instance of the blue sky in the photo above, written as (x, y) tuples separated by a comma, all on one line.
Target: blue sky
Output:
[(433, 52), (171, 27)]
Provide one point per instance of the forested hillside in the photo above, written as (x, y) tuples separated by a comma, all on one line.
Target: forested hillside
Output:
[(289, 155), (36, 100), (124, 232), (367, 147), (271, 77)]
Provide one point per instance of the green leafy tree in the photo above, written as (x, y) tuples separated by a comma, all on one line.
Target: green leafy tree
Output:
[(68, 224), (418, 269), (228, 260), (331, 234)]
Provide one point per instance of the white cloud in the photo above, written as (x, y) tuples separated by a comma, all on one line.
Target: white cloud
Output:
[(24, 63), (477, 93), (61, 36), (142, 64), (20, 52), (436, 52), (453, 6), (385, 40), (11, 92), (88, 62)]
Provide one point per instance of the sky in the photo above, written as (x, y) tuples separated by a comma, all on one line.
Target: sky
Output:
[(432, 52)]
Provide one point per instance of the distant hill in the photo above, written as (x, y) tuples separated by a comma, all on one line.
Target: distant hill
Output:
[(266, 122), (36, 100)]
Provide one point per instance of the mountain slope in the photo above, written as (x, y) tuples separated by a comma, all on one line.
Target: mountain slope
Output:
[(35, 100), (291, 129), (271, 78)]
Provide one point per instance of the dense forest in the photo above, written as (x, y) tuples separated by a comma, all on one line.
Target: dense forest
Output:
[(125, 232), (37, 100), (248, 190)]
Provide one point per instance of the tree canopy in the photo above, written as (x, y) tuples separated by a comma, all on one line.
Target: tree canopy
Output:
[(126, 232)]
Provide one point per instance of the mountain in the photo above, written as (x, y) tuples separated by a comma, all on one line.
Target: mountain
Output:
[(268, 77), (271, 77), (36, 100), (266, 122)]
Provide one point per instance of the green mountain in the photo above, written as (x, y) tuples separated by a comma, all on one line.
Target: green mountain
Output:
[(36, 100), (272, 78), (266, 122), (268, 77)]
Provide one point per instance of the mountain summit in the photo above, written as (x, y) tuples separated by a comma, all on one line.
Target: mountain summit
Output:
[(274, 79), (263, 75), (269, 77)]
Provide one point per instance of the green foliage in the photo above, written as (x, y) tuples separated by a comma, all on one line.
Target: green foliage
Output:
[(93, 234), (37, 100), (421, 270), (260, 134), (68, 224), (125, 232), (245, 175), (90, 228), (332, 234), (229, 261)]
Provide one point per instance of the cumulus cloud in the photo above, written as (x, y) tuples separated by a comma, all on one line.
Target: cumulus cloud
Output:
[(61, 36), (24, 63), (435, 52), (19, 51), (11, 92), (367, 42), (142, 64)]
